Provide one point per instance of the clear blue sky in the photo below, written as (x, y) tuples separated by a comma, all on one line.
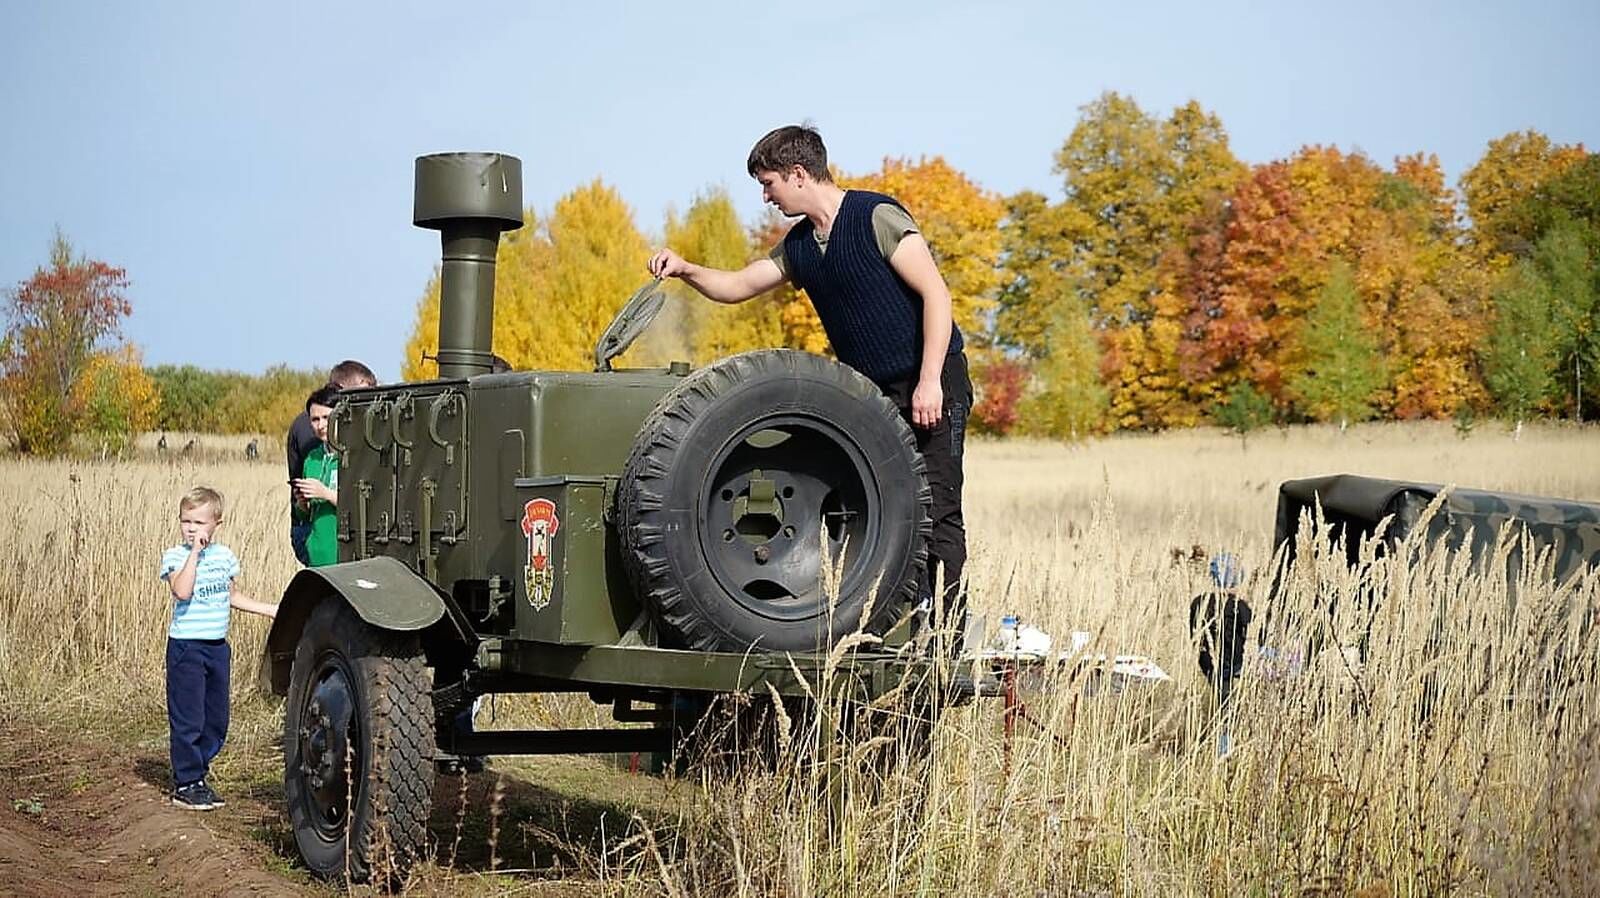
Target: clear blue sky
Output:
[(250, 163)]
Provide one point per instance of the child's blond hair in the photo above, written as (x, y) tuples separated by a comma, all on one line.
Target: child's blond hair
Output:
[(199, 496)]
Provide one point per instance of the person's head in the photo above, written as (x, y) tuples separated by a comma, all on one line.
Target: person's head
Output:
[(787, 161), (319, 405), (199, 514), (351, 375)]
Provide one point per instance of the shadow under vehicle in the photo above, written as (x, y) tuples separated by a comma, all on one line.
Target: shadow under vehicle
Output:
[(652, 538)]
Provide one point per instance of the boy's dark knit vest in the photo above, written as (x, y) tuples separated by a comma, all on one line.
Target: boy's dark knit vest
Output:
[(873, 318)]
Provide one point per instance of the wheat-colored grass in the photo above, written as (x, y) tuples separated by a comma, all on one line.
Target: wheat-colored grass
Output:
[(1461, 756)]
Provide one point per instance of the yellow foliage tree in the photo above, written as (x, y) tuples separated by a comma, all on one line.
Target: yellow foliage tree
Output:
[(711, 234), (114, 399), (557, 285), (1512, 168), (797, 320)]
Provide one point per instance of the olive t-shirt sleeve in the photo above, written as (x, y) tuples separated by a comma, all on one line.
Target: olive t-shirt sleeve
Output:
[(890, 224), (776, 255)]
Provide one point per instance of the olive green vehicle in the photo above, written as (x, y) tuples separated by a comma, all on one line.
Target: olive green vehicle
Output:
[(651, 538)]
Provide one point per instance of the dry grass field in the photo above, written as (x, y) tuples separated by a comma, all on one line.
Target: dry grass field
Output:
[(1462, 756)]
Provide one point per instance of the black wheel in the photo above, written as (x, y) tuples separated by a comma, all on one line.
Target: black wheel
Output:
[(745, 478), (358, 773)]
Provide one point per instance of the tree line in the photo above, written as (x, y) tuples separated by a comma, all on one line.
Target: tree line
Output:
[(1164, 284)]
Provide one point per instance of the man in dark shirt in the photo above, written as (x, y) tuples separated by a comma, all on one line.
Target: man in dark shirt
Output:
[(886, 309), (347, 375)]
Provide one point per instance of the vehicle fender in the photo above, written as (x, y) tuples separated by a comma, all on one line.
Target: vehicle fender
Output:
[(382, 591)]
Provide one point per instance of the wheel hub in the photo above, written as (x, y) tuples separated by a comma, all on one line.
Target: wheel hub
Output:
[(327, 734), (786, 493)]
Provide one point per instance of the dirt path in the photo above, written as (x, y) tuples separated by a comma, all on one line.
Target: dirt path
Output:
[(76, 822)]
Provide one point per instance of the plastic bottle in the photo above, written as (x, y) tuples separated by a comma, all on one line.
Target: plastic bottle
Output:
[(1008, 633)]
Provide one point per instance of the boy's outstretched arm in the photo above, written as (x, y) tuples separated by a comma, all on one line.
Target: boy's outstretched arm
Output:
[(245, 603)]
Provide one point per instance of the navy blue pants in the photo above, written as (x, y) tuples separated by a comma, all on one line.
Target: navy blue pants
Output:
[(197, 704), (298, 534)]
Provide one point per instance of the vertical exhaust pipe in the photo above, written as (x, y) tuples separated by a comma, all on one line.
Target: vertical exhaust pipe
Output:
[(469, 198)]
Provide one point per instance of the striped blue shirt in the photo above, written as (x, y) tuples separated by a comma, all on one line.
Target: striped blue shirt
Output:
[(204, 615)]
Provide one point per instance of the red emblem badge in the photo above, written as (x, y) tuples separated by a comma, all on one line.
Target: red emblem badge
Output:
[(539, 525)]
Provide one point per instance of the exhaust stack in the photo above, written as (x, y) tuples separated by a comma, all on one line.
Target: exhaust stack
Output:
[(469, 198)]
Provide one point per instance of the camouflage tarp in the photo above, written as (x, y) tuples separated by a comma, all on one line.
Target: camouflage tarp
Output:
[(1354, 505)]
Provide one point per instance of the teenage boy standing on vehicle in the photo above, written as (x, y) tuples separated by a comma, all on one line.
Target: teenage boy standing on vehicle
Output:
[(200, 574), (870, 275)]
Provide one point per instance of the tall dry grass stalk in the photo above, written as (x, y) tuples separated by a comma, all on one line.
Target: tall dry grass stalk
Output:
[(1458, 755)]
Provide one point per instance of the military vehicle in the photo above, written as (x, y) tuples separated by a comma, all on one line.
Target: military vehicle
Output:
[(647, 537)]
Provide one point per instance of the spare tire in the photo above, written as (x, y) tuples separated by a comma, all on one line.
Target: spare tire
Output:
[(745, 477)]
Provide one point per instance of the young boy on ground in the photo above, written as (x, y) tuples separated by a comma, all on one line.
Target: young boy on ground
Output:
[(200, 573), (316, 485)]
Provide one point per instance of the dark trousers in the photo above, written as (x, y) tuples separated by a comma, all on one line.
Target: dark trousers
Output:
[(298, 534), (197, 704), (942, 447)]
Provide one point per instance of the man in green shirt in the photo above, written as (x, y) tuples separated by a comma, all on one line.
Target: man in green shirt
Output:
[(316, 490)]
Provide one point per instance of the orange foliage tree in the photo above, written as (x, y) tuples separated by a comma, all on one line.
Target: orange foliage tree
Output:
[(1256, 266), (61, 323)]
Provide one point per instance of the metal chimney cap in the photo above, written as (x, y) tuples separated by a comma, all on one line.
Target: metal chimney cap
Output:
[(468, 186)]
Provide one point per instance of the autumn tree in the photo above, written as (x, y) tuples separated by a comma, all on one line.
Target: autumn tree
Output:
[(57, 323), (797, 320), (557, 285), (1343, 366), (1000, 385), (113, 399), (711, 234), (1067, 400), (1513, 167), (267, 402), (1255, 267), (1132, 183)]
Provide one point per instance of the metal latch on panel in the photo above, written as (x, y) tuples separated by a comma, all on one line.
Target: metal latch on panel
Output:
[(448, 405)]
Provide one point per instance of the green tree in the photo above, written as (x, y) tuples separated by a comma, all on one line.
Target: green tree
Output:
[(190, 396), (1564, 263), (1519, 357), (1068, 400), (1245, 409), (1344, 367)]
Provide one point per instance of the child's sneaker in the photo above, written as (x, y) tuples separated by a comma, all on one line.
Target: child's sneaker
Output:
[(216, 800), (194, 797)]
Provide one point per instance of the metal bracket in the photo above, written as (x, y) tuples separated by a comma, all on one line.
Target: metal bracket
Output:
[(363, 493)]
